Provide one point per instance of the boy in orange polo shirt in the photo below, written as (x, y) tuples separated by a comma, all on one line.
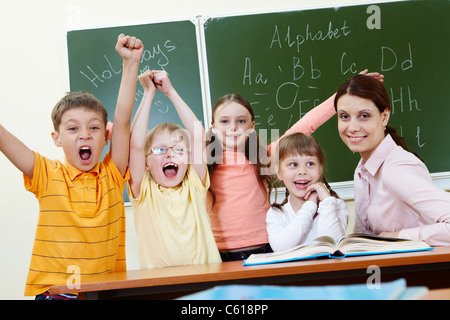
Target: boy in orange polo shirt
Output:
[(81, 224)]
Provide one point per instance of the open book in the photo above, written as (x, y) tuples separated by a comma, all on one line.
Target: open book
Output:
[(356, 244)]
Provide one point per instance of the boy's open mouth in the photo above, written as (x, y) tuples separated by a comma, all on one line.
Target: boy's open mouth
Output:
[(170, 169), (85, 153)]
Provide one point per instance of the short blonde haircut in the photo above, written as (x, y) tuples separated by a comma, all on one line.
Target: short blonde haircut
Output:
[(179, 134)]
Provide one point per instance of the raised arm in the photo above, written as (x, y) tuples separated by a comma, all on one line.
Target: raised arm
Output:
[(130, 49), (17, 152), (137, 163), (311, 121), (190, 122)]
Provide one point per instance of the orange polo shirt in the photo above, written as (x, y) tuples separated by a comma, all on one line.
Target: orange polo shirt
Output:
[(81, 224)]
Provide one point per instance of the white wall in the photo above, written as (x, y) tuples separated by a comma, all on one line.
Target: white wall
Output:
[(33, 77)]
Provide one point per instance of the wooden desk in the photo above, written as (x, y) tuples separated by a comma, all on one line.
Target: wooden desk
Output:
[(427, 268)]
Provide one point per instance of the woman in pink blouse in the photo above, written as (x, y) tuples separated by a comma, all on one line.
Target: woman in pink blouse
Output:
[(394, 193)]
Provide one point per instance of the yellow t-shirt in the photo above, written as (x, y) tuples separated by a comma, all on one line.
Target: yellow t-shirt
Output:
[(172, 223), (81, 225)]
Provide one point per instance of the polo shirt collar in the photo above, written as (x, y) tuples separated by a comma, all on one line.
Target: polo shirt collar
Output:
[(376, 160), (75, 172)]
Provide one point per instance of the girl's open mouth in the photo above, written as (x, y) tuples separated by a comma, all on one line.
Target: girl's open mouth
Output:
[(170, 169), (301, 184)]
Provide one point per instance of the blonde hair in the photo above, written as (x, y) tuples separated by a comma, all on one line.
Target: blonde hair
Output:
[(299, 143), (179, 134)]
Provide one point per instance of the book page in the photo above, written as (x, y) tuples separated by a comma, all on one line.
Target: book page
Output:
[(298, 252), (362, 243)]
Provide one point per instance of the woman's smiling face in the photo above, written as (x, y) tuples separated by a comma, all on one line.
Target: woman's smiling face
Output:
[(360, 124)]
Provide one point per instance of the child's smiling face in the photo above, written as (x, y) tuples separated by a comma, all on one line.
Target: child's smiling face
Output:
[(233, 123), (82, 135), (168, 169), (298, 172)]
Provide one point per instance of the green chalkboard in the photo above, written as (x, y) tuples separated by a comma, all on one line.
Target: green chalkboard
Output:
[(286, 63), (95, 66)]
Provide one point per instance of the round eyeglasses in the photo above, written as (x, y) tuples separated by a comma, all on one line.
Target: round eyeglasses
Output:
[(164, 150)]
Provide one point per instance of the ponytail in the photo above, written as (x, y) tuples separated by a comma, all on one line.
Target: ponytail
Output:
[(399, 140), (396, 137), (280, 205), (331, 191)]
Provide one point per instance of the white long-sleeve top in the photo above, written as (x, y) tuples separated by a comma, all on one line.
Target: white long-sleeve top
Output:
[(287, 228)]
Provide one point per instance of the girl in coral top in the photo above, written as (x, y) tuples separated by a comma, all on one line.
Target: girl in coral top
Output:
[(241, 178), (238, 198)]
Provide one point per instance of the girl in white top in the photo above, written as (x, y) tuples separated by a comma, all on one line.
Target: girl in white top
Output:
[(311, 209)]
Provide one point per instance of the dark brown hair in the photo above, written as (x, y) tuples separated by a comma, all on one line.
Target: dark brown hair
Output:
[(367, 87)]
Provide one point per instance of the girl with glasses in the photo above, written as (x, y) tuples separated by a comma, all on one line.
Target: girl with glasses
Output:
[(167, 189)]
